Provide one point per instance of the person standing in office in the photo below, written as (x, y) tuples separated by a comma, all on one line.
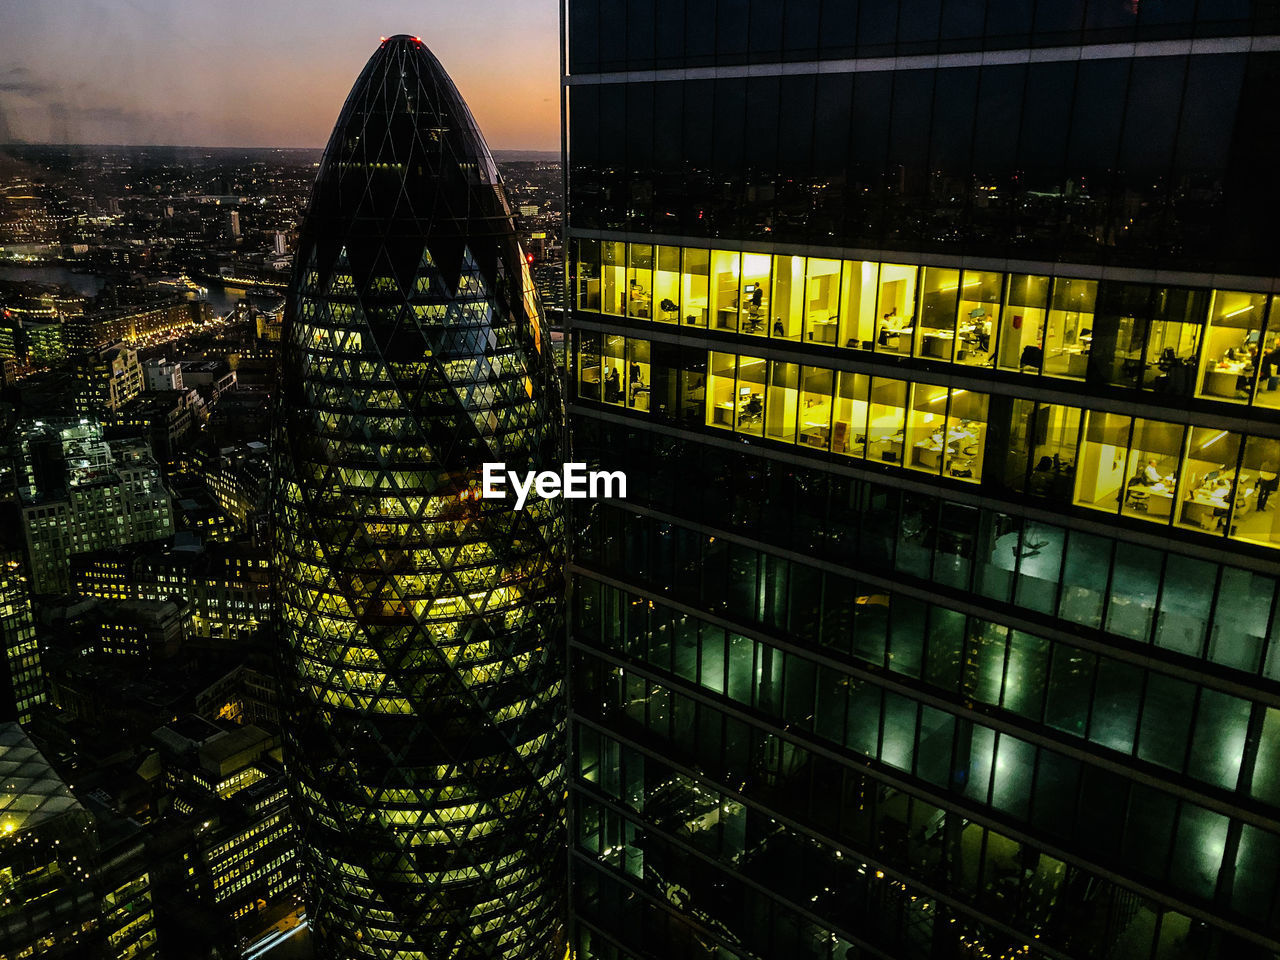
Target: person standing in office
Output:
[(1268, 481), (1271, 366)]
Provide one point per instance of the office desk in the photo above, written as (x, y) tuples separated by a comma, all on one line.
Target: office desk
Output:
[(727, 318), (892, 339), (639, 306), (1077, 361), (1159, 500), (1199, 513), (695, 307), (822, 331), (814, 433), (723, 413), (939, 345), (1222, 380), (1207, 508), (888, 449), (927, 454)]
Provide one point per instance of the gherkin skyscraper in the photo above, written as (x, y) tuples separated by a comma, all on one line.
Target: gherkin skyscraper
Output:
[(419, 622)]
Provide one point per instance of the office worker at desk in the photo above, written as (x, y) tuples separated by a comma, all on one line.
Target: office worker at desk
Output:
[(890, 326), (1147, 476), (612, 386)]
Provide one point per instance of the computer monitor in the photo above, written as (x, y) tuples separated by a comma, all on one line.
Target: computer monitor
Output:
[(1211, 476)]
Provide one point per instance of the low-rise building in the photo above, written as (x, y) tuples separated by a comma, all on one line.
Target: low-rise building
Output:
[(226, 585)]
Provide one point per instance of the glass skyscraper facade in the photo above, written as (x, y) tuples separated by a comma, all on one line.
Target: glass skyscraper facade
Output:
[(940, 343), (421, 624)]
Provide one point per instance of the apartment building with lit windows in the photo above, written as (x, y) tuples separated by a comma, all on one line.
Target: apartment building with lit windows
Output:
[(940, 345)]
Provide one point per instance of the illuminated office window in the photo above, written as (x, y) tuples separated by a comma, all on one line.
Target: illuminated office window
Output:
[(1233, 346), (640, 281), (666, 285), (1259, 520), (816, 396), (613, 273), (966, 435), (721, 409), (1151, 472), (1020, 344), (858, 288), (638, 374), (926, 422), (755, 297), (1069, 329), (849, 429), (726, 267), (935, 328), (1267, 393), (613, 376), (695, 286), (588, 285), (750, 397), (1173, 339), (896, 308), (782, 401), (1100, 478), (887, 420), (978, 317), (786, 319), (1207, 486), (822, 300)]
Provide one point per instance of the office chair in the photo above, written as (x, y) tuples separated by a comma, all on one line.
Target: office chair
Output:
[(752, 411), (1032, 356), (1137, 499)]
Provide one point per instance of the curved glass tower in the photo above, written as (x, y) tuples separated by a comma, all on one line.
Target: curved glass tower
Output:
[(420, 623)]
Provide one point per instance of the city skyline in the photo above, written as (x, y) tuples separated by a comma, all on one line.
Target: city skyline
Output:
[(185, 82)]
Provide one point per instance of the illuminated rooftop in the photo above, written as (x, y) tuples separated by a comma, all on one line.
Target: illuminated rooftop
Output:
[(31, 793)]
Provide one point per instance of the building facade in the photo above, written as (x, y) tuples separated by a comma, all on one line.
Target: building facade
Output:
[(421, 623), (940, 345), (106, 379), (22, 686), (83, 493)]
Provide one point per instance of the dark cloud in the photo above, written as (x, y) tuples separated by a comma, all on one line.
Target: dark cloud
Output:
[(19, 80)]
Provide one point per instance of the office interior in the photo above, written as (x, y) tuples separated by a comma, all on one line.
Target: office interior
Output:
[(1216, 344)]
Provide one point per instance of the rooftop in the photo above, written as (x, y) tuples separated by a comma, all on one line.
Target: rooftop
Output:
[(31, 793)]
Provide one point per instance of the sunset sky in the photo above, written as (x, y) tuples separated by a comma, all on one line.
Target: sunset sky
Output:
[(260, 72)]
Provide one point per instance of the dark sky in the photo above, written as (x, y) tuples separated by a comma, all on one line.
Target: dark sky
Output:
[(260, 72)]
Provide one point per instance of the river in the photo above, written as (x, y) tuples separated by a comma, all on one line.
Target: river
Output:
[(222, 299)]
